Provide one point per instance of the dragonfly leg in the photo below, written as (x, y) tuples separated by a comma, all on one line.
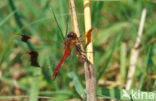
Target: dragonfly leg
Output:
[(79, 49)]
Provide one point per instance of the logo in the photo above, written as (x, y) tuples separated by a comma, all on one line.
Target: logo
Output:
[(137, 95)]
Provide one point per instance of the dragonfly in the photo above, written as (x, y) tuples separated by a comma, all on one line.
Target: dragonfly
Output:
[(73, 41)]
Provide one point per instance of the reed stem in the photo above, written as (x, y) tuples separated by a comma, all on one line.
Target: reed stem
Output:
[(88, 65)]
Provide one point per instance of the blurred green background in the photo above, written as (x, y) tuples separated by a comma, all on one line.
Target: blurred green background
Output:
[(116, 27)]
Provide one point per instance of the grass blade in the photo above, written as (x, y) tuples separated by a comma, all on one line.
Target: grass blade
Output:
[(34, 90), (116, 43), (62, 36), (149, 60), (77, 84), (6, 50)]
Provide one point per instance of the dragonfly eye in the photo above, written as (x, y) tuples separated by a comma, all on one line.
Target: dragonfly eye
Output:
[(72, 35)]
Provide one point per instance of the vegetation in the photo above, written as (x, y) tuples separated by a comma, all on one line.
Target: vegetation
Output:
[(116, 26)]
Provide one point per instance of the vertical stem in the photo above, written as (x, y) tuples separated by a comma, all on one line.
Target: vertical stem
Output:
[(88, 25), (75, 25), (88, 66), (135, 52), (123, 54), (90, 81)]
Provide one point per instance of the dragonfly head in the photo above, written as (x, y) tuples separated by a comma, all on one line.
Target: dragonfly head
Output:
[(72, 35)]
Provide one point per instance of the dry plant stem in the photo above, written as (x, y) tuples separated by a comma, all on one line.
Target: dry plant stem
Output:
[(135, 52), (88, 66), (88, 25), (90, 80), (75, 25)]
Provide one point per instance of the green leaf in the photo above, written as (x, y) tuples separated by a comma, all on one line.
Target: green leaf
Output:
[(149, 2), (116, 43), (149, 60), (34, 90), (77, 84), (62, 36), (2, 55), (107, 32), (6, 18)]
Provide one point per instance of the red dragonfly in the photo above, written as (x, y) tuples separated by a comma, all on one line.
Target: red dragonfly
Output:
[(71, 42)]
